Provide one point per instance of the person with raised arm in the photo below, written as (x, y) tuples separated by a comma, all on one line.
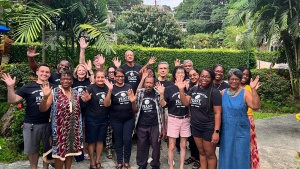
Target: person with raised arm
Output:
[(96, 118), (67, 138), (63, 65), (36, 123)]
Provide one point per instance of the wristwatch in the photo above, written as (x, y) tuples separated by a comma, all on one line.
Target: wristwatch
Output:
[(217, 131)]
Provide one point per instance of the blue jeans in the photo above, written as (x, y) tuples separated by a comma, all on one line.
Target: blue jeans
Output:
[(123, 133)]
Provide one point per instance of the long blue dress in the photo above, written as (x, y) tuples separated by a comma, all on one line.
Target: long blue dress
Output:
[(235, 133)]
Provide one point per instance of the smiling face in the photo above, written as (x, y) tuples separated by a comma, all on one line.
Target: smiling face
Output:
[(194, 76), (245, 78), (234, 81), (149, 84), (81, 72), (129, 56), (66, 81), (100, 78), (43, 73), (111, 72), (219, 71), (63, 66), (205, 79), (119, 78)]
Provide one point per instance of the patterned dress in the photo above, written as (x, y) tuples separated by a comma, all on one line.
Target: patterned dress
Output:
[(254, 157), (66, 125)]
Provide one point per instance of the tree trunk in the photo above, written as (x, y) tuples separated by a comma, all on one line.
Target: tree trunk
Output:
[(292, 53)]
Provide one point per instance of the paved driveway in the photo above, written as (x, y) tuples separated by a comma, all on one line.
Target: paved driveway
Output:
[(278, 142)]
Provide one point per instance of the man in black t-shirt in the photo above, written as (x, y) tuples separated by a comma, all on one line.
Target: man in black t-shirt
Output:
[(36, 123), (63, 65), (131, 69), (149, 124)]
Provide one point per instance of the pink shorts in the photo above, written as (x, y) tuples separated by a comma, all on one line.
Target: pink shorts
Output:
[(178, 127)]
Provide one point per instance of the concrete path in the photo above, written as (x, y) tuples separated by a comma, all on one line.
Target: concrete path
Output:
[(278, 142)]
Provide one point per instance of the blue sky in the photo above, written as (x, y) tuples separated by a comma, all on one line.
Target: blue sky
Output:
[(171, 3)]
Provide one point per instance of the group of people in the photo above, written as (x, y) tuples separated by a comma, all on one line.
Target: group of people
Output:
[(66, 110)]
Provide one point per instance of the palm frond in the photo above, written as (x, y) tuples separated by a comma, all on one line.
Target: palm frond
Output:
[(97, 33), (31, 22)]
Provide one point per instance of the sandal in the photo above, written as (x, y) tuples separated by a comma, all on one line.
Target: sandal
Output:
[(86, 157), (196, 165), (99, 166), (127, 166), (188, 161), (119, 166), (109, 155), (93, 167)]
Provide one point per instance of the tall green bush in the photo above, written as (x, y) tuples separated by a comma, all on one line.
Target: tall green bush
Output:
[(201, 58)]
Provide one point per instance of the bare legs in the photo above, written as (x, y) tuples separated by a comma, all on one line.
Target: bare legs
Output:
[(208, 158), (172, 144)]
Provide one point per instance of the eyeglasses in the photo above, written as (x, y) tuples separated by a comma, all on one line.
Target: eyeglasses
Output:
[(111, 72), (66, 79), (119, 77), (205, 77), (234, 79)]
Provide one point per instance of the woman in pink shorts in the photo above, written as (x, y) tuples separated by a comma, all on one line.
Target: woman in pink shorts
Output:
[(178, 117)]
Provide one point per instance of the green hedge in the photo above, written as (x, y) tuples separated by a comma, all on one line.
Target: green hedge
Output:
[(201, 58), (267, 56)]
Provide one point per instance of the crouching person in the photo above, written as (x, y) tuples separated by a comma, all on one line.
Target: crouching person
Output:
[(149, 124)]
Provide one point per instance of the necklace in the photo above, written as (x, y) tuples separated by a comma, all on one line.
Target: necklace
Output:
[(218, 86), (232, 93)]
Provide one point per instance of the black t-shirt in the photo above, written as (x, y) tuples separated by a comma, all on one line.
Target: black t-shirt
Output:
[(95, 106), (54, 78), (166, 83), (172, 97), (80, 85), (200, 118), (121, 108), (148, 114), (132, 75), (33, 95), (221, 86)]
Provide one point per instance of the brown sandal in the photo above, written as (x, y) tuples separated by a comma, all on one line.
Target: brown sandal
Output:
[(119, 166), (93, 167), (99, 166), (127, 166)]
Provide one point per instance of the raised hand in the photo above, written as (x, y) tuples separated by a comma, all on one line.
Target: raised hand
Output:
[(101, 59), (116, 62), (82, 43), (46, 88), (8, 80), (31, 51), (108, 84), (86, 96), (177, 62), (131, 96), (88, 65), (160, 87), (180, 83), (254, 84), (145, 73), (152, 60)]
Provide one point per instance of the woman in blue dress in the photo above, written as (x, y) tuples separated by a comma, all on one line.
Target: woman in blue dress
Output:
[(235, 138)]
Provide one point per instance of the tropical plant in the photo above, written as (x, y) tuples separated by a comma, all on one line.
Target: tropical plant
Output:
[(154, 27)]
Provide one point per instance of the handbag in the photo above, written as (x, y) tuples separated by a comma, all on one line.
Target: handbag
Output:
[(79, 157)]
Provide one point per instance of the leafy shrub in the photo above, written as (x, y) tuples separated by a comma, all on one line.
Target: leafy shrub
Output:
[(201, 58), (3, 108), (275, 91), (17, 131), (267, 56), (9, 153)]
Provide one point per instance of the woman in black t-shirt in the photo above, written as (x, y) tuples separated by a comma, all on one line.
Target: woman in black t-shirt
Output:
[(178, 115), (219, 71), (96, 119), (122, 118), (205, 106)]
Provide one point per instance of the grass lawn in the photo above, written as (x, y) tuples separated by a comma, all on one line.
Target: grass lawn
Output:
[(262, 115)]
